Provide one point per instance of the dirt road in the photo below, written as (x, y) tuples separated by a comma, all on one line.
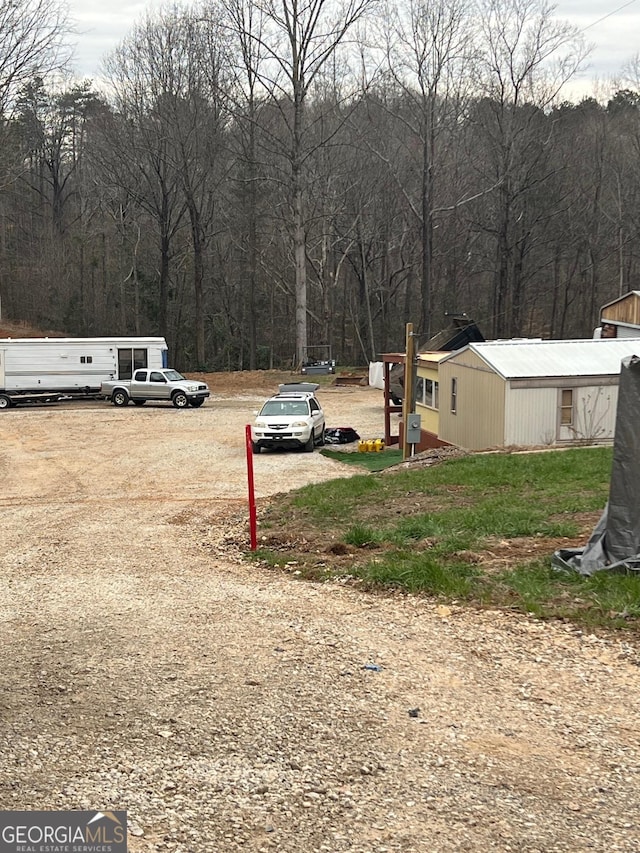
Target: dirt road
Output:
[(146, 667)]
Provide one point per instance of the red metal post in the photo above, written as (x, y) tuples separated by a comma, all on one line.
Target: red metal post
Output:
[(252, 491)]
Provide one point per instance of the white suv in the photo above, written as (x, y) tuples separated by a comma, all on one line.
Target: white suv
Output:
[(290, 420)]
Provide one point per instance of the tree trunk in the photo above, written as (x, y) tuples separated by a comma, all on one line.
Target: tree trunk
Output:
[(299, 236)]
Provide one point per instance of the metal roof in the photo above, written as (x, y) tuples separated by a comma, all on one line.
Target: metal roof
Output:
[(528, 358)]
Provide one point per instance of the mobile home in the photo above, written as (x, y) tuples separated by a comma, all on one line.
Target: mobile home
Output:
[(33, 369)]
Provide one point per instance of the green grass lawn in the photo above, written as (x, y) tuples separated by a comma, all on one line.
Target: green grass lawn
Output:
[(429, 531)]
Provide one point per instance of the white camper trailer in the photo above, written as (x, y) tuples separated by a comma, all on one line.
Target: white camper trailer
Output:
[(46, 369)]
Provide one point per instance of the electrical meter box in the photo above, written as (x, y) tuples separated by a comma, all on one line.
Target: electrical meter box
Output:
[(412, 432)]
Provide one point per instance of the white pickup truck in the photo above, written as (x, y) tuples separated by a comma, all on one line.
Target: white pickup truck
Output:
[(165, 384)]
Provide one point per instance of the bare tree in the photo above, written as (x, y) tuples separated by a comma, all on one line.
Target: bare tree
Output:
[(246, 21), (429, 51), (138, 155), (297, 40), (196, 111), (32, 44), (631, 71), (527, 57)]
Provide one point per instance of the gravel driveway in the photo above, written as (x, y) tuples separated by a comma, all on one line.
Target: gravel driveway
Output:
[(146, 667)]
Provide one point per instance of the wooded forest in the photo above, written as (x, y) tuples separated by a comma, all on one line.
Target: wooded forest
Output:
[(249, 178)]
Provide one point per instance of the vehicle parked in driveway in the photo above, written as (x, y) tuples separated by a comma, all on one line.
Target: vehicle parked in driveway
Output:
[(154, 385), (289, 420)]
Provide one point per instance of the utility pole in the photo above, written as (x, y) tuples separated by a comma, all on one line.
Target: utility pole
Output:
[(407, 399)]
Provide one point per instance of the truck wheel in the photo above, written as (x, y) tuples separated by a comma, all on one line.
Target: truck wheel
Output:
[(180, 400), (120, 398), (308, 448), (255, 448), (139, 402), (5, 402), (197, 403)]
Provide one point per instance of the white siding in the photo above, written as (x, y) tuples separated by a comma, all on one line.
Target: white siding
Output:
[(38, 364), (30, 366), (595, 413), (530, 416), (627, 331)]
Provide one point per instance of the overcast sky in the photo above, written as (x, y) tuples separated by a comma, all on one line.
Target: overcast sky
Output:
[(613, 26)]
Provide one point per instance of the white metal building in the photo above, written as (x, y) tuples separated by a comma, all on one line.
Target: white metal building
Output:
[(531, 392)]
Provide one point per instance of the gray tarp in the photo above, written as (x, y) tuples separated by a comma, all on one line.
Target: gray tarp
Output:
[(615, 542)]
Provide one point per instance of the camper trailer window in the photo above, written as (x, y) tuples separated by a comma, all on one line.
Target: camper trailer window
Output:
[(86, 359), (139, 358), (124, 364), (130, 360)]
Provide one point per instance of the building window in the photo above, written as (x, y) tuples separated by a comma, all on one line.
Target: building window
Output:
[(431, 393), (420, 389), (566, 407), (454, 396)]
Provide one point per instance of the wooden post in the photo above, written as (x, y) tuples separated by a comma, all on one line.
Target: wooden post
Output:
[(407, 397)]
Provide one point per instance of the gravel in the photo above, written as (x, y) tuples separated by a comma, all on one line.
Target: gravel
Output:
[(147, 666)]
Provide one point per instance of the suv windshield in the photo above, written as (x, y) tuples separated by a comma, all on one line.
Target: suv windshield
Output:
[(285, 407)]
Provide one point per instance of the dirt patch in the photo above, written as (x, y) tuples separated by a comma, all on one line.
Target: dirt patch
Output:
[(265, 382), (502, 554)]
